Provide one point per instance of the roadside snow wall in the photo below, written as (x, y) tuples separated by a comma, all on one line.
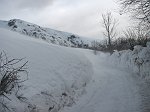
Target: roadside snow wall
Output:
[(137, 60)]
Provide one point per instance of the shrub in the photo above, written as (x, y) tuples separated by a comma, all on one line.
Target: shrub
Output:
[(9, 76)]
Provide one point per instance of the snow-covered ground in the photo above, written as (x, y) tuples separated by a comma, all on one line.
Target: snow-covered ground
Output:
[(137, 61), (111, 90), (69, 79), (57, 75)]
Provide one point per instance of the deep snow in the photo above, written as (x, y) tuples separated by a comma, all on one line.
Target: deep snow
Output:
[(112, 89), (69, 80), (137, 60), (53, 71)]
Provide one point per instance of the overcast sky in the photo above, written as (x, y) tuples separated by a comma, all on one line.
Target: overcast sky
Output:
[(82, 17)]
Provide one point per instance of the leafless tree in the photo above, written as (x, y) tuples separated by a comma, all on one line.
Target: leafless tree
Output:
[(136, 36), (140, 9), (109, 24)]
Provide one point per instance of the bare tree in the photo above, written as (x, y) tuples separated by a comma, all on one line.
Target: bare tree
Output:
[(140, 9), (136, 36), (109, 24)]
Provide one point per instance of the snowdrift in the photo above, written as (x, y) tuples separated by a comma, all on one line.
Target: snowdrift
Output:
[(57, 75), (137, 60)]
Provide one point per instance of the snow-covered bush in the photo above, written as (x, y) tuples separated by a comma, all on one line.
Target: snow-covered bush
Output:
[(10, 78), (137, 60)]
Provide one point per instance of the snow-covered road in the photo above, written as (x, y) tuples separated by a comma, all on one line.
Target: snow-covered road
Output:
[(111, 90)]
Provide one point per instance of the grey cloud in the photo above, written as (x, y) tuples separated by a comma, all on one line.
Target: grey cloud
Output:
[(17, 5), (34, 4), (11, 8), (77, 16)]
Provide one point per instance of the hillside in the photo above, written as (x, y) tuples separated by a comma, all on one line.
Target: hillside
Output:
[(46, 34)]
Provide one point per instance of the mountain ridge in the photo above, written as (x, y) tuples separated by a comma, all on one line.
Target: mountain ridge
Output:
[(49, 35)]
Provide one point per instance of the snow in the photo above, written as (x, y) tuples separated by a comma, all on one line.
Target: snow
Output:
[(148, 44), (111, 90), (53, 70), (46, 34), (137, 60), (71, 80)]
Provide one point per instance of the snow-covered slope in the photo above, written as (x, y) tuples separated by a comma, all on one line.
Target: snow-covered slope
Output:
[(57, 75), (63, 79), (46, 34)]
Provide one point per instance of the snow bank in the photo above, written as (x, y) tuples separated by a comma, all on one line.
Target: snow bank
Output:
[(137, 60), (57, 75)]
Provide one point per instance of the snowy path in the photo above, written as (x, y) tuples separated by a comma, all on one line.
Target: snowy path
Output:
[(56, 70), (112, 89)]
